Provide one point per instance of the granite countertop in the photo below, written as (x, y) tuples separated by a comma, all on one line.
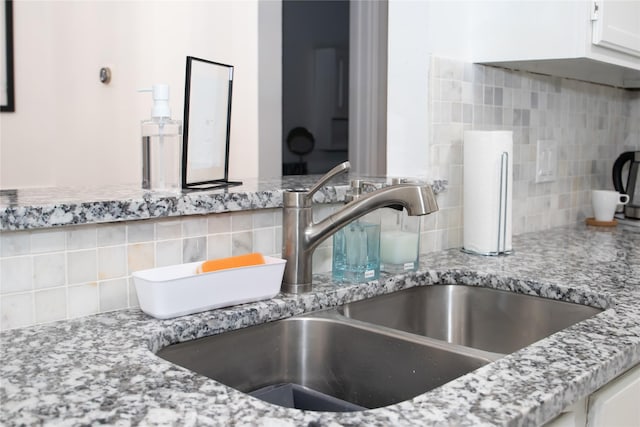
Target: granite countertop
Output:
[(53, 207), (102, 369)]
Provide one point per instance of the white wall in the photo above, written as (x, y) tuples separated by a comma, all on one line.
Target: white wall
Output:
[(70, 129)]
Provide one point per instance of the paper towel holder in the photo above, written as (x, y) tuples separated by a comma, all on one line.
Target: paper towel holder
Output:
[(503, 207)]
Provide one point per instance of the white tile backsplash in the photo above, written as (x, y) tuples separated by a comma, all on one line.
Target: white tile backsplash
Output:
[(62, 273), (168, 252), (113, 294), (219, 246), (592, 125), (82, 266), (112, 262), (112, 234), (14, 243), (141, 231), (81, 237), (50, 305), (47, 240), (49, 270), (16, 274), (17, 310), (83, 300)]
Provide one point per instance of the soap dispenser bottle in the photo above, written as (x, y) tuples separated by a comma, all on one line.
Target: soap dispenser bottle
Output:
[(161, 145), (356, 246), (399, 239)]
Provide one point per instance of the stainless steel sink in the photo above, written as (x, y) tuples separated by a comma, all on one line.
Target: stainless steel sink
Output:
[(349, 365), (482, 318)]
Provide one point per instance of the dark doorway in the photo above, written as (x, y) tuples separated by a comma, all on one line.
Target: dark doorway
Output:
[(315, 85)]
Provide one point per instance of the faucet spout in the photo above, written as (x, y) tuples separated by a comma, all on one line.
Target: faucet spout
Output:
[(301, 235), (417, 200)]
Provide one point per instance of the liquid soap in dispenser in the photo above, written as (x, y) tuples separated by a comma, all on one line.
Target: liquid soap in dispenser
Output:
[(161, 144), (356, 246)]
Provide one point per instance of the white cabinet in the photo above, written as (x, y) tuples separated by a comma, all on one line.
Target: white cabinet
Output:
[(590, 40), (617, 403), (616, 25)]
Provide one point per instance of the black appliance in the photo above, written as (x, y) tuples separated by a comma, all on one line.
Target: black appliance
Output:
[(631, 186)]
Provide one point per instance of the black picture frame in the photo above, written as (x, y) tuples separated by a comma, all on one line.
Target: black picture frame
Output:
[(207, 125), (7, 101)]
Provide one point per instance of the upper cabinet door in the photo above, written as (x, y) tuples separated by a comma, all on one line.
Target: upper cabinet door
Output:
[(616, 25)]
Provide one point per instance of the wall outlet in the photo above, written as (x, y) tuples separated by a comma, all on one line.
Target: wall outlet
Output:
[(546, 161)]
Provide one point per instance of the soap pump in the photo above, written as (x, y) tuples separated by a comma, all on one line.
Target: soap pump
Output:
[(161, 144), (356, 246)]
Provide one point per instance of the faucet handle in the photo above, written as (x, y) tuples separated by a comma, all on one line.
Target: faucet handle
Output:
[(342, 167)]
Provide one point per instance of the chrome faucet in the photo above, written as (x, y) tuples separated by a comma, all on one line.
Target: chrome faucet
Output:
[(301, 235)]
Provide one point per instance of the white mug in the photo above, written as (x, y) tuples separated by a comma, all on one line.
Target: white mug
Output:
[(605, 203)]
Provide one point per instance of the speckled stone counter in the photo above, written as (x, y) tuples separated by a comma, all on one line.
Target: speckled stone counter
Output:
[(102, 369), (52, 207)]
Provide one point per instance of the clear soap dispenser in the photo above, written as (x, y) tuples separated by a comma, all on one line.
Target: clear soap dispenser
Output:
[(161, 144), (356, 246), (399, 239)]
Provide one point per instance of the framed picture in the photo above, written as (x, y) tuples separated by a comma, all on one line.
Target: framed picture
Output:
[(207, 125), (7, 102)]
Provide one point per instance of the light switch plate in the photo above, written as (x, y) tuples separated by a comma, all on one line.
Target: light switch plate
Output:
[(546, 161)]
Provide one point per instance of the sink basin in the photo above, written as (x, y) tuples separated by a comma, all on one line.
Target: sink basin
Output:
[(482, 318), (324, 363)]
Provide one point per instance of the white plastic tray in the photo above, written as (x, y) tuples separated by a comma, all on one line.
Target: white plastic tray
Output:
[(177, 290)]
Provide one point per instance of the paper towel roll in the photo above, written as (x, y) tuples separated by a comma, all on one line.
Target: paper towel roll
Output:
[(488, 184)]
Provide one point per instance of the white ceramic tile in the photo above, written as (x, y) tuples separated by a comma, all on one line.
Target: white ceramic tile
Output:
[(140, 231), (113, 294), (219, 246), (169, 229), (50, 305), (219, 223), (194, 249), (194, 226), (47, 240), (278, 241), (241, 221), (264, 241), (16, 311), (168, 252), (262, 219), (81, 266), (112, 262), (49, 270), (241, 243), (82, 237), (13, 243), (322, 259), (83, 300), (16, 274), (278, 217), (140, 256), (131, 292), (111, 234)]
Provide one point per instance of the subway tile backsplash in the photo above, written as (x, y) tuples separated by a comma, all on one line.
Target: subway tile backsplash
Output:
[(62, 273)]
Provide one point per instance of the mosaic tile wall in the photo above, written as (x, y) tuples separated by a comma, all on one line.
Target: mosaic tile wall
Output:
[(592, 124), (62, 273)]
